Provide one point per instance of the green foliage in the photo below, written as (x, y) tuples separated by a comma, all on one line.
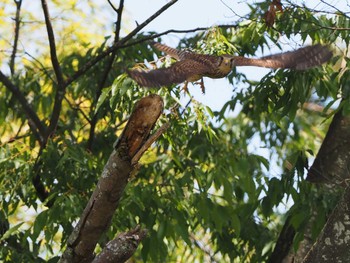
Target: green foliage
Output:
[(213, 187)]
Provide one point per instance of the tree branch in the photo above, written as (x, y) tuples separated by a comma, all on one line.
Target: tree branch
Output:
[(57, 69), (108, 68), (284, 243), (149, 142), (202, 247), (99, 211), (333, 242), (113, 7), (15, 41), (105, 53), (122, 247), (332, 161), (34, 122)]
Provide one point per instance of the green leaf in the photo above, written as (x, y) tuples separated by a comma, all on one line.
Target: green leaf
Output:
[(11, 231), (104, 94), (236, 223)]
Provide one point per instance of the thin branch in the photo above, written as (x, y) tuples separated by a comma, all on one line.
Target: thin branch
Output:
[(319, 11), (149, 142), (43, 68), (105, 73), (119, 21), (35, 124), (333, 6), (120, 43), (177, 31), (148, 20), (113, 7), (15, 41), (202, 247), (78, 109), (57, 69), (231, 9), (53, 53), (60, 92)]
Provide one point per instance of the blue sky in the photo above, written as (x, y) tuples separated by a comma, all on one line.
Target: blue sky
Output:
[(188, 14)]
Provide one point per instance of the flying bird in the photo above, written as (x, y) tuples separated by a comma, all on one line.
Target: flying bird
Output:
[(191, 66)]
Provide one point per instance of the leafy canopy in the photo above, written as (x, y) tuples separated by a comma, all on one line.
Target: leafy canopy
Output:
[(218, 185)]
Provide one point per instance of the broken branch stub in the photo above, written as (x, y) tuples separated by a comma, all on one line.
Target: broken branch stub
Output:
[(140, 124), (122, 247), (99, 211)]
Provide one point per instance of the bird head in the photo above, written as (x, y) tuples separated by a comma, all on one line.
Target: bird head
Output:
[(226, 63)]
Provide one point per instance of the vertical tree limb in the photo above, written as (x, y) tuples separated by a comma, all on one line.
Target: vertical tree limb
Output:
[(59, 96), (283, 244), (331, 167), (98, 213), (106, 72), (15, 41), (61, 86)]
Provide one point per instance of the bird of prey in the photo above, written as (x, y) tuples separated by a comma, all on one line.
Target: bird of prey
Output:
[(191, 66)]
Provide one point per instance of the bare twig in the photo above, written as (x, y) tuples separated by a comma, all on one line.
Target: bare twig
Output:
[(43, 68), (60, 92), (53, 53), (340, 12), (202, 247), (148, 20), (119, 21), (15, 41), (76, 108), (149, 142), (113, 7)]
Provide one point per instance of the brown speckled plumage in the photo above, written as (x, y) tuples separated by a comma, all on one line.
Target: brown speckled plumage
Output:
[(192, 66)]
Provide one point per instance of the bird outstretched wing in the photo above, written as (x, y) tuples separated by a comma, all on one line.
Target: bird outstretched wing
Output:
[(192, 66), (300, 59), (172, 52), (178, 72)]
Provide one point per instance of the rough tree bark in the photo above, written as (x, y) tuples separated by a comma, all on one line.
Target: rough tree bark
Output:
[(333, 243), (330, 168), (98, 213)]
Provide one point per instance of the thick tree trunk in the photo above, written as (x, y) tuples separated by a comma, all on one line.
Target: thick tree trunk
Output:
[(333, 243), (98, 213), (332, 163), (331, 167)]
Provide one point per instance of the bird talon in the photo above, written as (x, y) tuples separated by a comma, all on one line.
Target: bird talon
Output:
[(185, 88), (201, 83)]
